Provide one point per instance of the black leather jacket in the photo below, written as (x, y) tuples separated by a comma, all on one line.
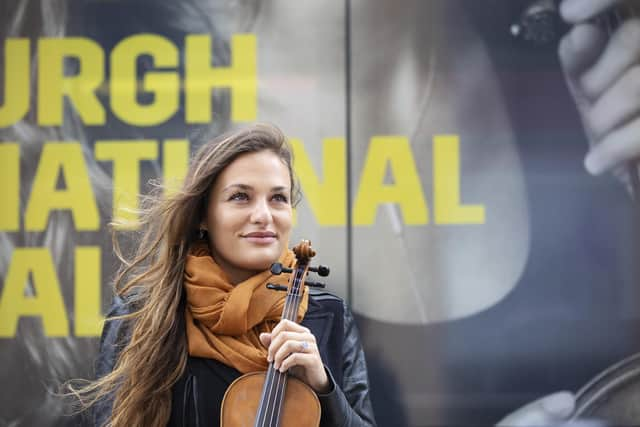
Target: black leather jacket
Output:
[(328, 318)]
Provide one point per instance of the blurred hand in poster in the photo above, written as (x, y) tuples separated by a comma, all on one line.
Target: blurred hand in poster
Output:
[(554, 409), (600, 57)]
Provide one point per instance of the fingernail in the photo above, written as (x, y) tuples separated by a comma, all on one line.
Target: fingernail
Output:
[(570, 10), (564, 5), (559, 404), (593, 164)]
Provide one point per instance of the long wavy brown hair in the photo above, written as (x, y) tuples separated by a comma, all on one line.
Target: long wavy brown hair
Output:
[(151, 283)]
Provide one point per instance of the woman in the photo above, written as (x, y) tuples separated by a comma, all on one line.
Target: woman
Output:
[(192, 311)]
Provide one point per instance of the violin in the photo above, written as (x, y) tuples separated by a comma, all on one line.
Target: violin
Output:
[(274, 398)]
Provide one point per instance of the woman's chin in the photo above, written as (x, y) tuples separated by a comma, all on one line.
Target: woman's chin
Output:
[(259, 265)]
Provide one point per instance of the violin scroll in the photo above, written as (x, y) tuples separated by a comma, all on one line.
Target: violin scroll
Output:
[(304, 252)]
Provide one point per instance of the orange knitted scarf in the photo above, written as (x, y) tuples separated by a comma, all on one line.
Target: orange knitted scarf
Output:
[(224, 321)]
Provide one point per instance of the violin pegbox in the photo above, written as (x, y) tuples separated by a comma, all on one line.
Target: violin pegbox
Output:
[(304, 252)]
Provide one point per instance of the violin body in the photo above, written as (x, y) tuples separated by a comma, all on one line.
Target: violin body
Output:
[(301, 406), (613, 395)]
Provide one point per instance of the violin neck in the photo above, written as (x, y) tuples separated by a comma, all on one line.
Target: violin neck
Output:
[(294, 295)]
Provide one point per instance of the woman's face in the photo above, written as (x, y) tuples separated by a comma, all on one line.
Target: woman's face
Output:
[(249, 215)]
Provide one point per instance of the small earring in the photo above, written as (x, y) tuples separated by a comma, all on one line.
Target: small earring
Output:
[(202, 234)]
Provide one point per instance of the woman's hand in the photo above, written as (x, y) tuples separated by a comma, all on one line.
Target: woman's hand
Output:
[(602, 68), (293, 347)]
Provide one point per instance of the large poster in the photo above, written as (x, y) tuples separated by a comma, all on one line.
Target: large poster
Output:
[(440, 146)]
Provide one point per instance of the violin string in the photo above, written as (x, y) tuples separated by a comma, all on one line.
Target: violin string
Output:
[(294, 302), (273, 387), (293, 309), (276, 388), (268, 406), (260, 416), (265, 409)]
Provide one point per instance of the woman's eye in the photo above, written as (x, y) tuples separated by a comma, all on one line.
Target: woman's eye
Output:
[(280, 198), (239, 196)]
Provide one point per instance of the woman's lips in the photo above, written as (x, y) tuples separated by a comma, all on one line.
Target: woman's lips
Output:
[(260, 237)]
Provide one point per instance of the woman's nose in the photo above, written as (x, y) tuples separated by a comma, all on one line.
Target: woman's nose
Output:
[(261, 212)]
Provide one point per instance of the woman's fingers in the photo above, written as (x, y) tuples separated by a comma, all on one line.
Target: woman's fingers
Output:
[(618, 105), (620, 54), (575, 11), (303, 360), (291, 351), (265, 339), (580, 48), (293, 347), (616, 148), (288, 325), (287, 342), (603, 74)]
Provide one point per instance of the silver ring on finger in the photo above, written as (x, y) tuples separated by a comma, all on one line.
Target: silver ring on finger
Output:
[(304, 346)]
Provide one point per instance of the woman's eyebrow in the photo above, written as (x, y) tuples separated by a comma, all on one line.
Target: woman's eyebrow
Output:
[(279, 188), (246, 187), (236, 187)]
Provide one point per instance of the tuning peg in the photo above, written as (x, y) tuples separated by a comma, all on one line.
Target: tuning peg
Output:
[(276, 287), (277, 268), (315, 284), (322, 270)]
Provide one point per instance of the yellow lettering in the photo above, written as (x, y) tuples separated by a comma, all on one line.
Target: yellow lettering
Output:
[(327, 197), (32, 266), (126, 157), (16, 81), (53, 84), (124, 82), (446, 184), (65, 160), (10, 188), (87, 303), (175, 159), (406, 189), (240, 77)]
